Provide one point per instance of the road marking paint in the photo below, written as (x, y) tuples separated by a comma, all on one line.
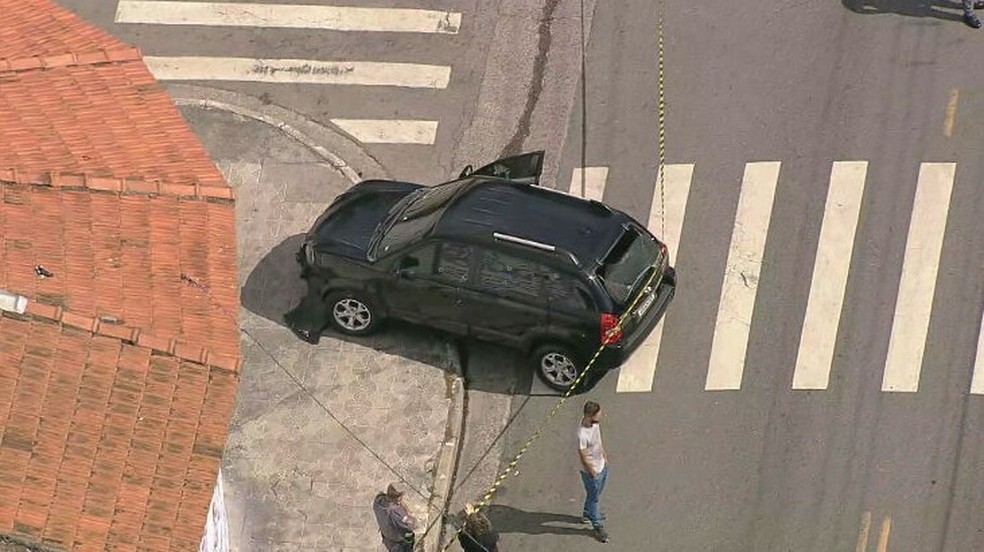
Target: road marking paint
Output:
[(392, 131), (677, 189), (951, 112), (830, 271), (886, 528), (367, 73), (334, 18), (738, 291), (863, 534), (639, 371), (594, 182), (977, 382), (914, 303)]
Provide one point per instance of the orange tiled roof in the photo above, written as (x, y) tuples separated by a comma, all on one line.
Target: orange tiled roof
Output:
[(118, 382)]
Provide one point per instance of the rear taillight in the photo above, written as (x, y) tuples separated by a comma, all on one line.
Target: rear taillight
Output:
[(610, 333)]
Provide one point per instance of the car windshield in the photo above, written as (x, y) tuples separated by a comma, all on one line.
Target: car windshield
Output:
[(417, 217), (628, 264)]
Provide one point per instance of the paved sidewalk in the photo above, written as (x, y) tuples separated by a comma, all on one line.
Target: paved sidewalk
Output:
[(294, 478)]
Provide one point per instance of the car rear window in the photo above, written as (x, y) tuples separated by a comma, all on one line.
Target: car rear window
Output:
[(627, 265)]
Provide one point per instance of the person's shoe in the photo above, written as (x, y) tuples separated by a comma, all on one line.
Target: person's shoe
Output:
[(587, 521), (971, 19), (601, 534)]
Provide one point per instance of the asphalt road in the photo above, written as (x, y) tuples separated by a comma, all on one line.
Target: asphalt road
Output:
[(870, 459), (717, 447), (409, 114)]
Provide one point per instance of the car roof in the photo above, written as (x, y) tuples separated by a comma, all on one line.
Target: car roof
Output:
[(587, 229)]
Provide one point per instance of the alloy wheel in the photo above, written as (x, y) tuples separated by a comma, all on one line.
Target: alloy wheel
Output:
[(352, 314), (558, 369)]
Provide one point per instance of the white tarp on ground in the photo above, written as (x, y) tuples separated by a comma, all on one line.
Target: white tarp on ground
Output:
[(216, 538)]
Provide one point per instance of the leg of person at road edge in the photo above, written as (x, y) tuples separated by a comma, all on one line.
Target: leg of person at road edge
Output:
[(594, 466), (970, 18), (395, 522)]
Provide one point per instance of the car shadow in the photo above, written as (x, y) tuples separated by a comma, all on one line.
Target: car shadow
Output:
[(947, 10), (274, 288), (498, 369)]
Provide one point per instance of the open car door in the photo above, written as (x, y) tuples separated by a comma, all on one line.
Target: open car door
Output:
[(524, 168)]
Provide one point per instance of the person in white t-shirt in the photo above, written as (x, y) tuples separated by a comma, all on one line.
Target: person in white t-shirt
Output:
[(594, 466)]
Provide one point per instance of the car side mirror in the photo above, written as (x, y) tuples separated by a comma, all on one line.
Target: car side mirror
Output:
[(466, 171)]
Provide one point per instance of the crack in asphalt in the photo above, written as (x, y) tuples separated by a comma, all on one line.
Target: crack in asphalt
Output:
[(539, 68)]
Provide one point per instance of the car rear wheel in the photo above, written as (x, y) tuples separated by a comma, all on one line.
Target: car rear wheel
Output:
[(352, 313), (556, 365)]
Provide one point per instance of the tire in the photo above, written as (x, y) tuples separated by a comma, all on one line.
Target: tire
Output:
[(352, 313), (556, 365)]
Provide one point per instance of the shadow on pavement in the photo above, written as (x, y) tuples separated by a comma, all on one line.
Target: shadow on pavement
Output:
[(497, 369), (506, 519), (274, 287), (938, 9)]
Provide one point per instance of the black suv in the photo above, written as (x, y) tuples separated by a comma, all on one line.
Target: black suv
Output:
[(492, 255)]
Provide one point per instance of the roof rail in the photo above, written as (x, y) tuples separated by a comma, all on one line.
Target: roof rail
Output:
[(537, 245), (523, 241)]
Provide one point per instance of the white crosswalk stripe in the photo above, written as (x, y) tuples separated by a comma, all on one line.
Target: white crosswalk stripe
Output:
[(366, 73), (832, 263), (741, 278), (914, 304), (589, 182), (830, 270), (390, 77), (977, 382), (639, 371), (334, 18), (395, 131)]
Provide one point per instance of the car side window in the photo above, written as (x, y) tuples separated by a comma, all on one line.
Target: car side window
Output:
[(565, 293), (419, 262), (510, 276), (453, 262)]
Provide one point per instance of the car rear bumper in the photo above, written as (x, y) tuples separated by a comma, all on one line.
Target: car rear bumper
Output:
[(614, 356)]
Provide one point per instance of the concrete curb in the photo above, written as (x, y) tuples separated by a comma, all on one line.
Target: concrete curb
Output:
[(447, 461), (347, 156)]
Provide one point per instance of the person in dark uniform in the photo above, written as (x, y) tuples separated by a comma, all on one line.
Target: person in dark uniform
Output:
[(395, 522), (477, 534)]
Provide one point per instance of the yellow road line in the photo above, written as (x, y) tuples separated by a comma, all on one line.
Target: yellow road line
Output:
[(863, 534), (951, 113), (886, 528)]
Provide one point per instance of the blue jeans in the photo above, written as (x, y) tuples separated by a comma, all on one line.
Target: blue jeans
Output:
[(593, 488)]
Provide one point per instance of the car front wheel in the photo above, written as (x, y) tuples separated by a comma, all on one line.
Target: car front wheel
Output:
[(557, 366), (352, 313)]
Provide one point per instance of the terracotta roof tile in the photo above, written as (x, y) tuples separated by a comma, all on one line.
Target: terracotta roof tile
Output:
[(32, 28), (133, 267), (125, 442), (118, 383)]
